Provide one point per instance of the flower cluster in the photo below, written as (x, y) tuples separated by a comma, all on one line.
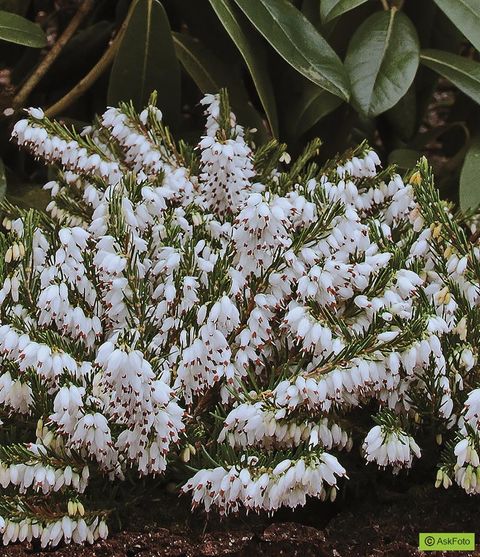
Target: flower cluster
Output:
[(66, 529), (226, 307), (288, 483), (390, 448)]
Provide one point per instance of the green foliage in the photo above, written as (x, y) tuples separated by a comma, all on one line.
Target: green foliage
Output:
[(310, 107), (253, 55), (464, 73), (330, 9), (16, 29), (382, 61), (404, 158), (469, 179), (298, 42), (146, 61), (206, 70), (402, 74), (465, 14)]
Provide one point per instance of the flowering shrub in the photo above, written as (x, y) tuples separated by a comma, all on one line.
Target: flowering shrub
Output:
[(226, 308)]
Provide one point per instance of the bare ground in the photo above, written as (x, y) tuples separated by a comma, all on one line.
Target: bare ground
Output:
[(386, 523)]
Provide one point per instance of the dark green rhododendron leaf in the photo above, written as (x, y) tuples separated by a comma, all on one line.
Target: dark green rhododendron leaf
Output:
[(404, 158), (465, 15), (462, 72), (211, 74), (313, 104), (403, 115), (330, 9), (470, 177), (382, 61), (298, 42), (16, 29), (202, 66), (146, 61), (253, 54)]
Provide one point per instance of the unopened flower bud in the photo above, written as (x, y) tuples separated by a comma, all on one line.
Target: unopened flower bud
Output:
[(15, 252), (39, 430), (185, 454), (416, 178), (72, 508), (333, 494), (48, 438)]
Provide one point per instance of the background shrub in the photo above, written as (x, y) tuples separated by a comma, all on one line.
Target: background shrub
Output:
[(402, 74)]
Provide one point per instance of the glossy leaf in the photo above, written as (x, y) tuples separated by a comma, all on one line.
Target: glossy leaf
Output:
[(298, 42), (469, 178), (330, 9), (382, 61), (29, 196), (146, 61), (403, 115), (404, 158), (313, 104), (254, 56), (16, 29), (462, 72), (201, 64), (211, 74), (465, 15)]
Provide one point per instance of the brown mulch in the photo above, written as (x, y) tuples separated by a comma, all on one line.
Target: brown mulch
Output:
[(384, 525)]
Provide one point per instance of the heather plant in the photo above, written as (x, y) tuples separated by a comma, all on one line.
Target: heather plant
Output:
[(224, 315)]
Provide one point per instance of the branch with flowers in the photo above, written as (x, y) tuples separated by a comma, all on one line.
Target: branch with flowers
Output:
[(219, 312)]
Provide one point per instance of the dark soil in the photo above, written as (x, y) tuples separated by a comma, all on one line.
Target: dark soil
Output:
[(386, 524)]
